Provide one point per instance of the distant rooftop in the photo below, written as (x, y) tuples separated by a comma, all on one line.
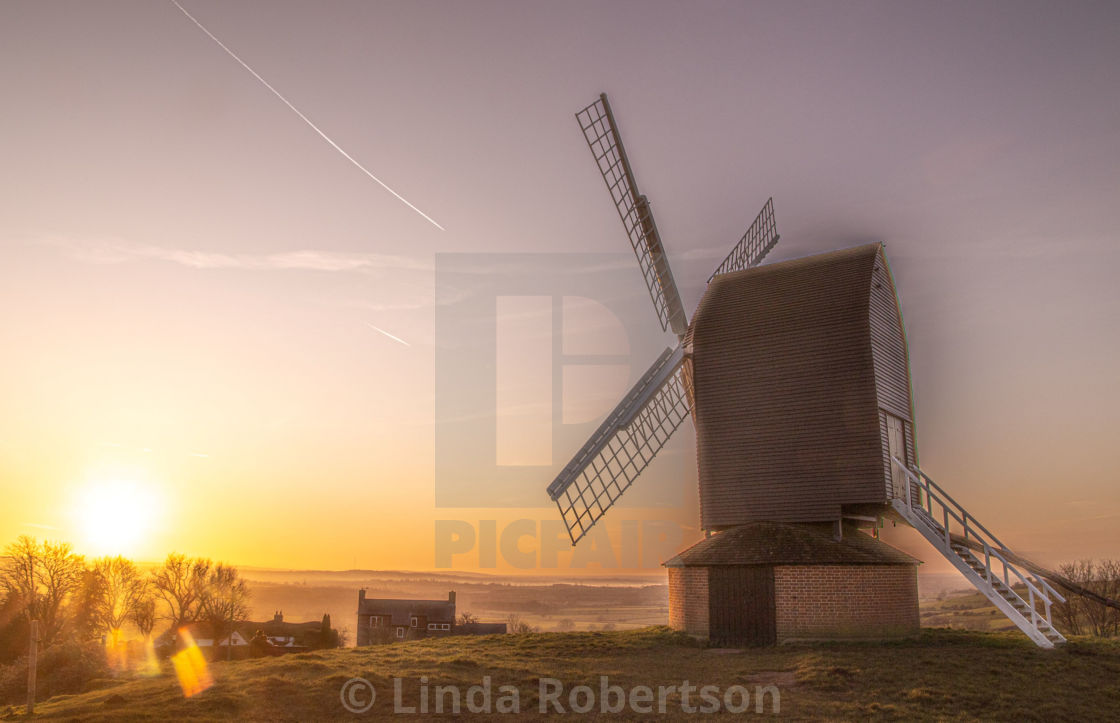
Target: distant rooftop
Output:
[(400, 611)]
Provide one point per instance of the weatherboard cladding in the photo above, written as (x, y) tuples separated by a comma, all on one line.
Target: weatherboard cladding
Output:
[(892, 363), (786, 372)]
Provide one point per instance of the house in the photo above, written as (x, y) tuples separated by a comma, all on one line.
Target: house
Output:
[(481, 629), (201, 634), (281, 636), (252, 639), (384, 620)]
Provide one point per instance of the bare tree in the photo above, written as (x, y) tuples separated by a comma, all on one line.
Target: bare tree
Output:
[(120, 589), (17, 576), (1081, 615), (180, 582), (42, 576), (466, 618), (1104, 621), (143, 614), (225, 600), (515, 624), (1071, 613), (84, 620), (60, 575)]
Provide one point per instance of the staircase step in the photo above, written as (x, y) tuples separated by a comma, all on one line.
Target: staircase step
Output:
[(1024, 616)]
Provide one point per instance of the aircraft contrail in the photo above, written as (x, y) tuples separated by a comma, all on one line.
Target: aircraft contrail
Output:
[(394, 338), (304, 118)]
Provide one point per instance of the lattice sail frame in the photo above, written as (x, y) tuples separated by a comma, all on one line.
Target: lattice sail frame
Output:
[(755, 244), (624, 444), (599, 129)]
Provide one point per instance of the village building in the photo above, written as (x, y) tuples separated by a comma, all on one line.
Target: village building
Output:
[(200, 634), (253, 639), (383, 620)]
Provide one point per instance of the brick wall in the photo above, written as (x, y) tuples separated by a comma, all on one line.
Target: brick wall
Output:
[(688, 600), (844, 601)]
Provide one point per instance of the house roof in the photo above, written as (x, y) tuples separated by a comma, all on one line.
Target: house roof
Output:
[(283, 627), (482, 628), (199, 631), (786, 543), (400, 611)]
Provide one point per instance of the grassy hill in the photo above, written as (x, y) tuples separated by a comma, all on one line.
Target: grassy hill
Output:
[(943, 674)]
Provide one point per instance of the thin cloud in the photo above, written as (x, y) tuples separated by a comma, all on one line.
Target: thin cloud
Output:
[(391, 336), (304, 118), (115, 252)]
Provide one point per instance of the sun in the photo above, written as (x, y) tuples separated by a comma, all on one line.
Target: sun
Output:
[(116, 516)]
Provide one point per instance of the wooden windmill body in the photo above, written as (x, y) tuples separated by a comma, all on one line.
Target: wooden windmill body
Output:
[(796, 376), (801, 391)]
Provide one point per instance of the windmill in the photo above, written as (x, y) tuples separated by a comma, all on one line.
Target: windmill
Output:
[(796, 376)]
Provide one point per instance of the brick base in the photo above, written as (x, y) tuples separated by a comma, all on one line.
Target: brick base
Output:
[(688, 600), (846, 601), (814, 602)]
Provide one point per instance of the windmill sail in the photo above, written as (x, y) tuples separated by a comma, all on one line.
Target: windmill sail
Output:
[(602, 136), (755, 244), (629, 439)]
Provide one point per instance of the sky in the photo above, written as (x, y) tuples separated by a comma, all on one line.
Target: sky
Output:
[(222, 336)]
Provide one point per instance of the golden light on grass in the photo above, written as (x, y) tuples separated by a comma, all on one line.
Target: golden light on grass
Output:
[(190, 667), (115, 515)]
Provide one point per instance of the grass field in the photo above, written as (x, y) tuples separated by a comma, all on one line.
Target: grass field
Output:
[(945, 674)]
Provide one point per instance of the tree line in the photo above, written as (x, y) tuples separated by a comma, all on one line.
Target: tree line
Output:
[(85, 600)]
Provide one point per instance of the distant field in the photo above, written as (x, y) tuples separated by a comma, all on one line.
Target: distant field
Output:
[(544, 604), (945, 674), (617, 603)]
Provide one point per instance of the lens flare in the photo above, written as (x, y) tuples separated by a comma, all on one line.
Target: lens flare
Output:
[(190, 667), (116, 650)]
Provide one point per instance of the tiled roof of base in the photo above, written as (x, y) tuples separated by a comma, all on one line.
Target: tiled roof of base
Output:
[(785, 543)]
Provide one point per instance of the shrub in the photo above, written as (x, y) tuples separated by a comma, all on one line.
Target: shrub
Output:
[(66, 667)]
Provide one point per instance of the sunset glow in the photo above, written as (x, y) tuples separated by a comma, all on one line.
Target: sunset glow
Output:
[(116, 516), (198, 285)]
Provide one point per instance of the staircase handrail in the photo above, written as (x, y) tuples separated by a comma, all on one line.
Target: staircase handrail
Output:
[(963, 518)]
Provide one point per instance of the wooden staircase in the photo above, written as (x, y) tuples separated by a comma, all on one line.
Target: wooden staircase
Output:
[(932, 512)]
